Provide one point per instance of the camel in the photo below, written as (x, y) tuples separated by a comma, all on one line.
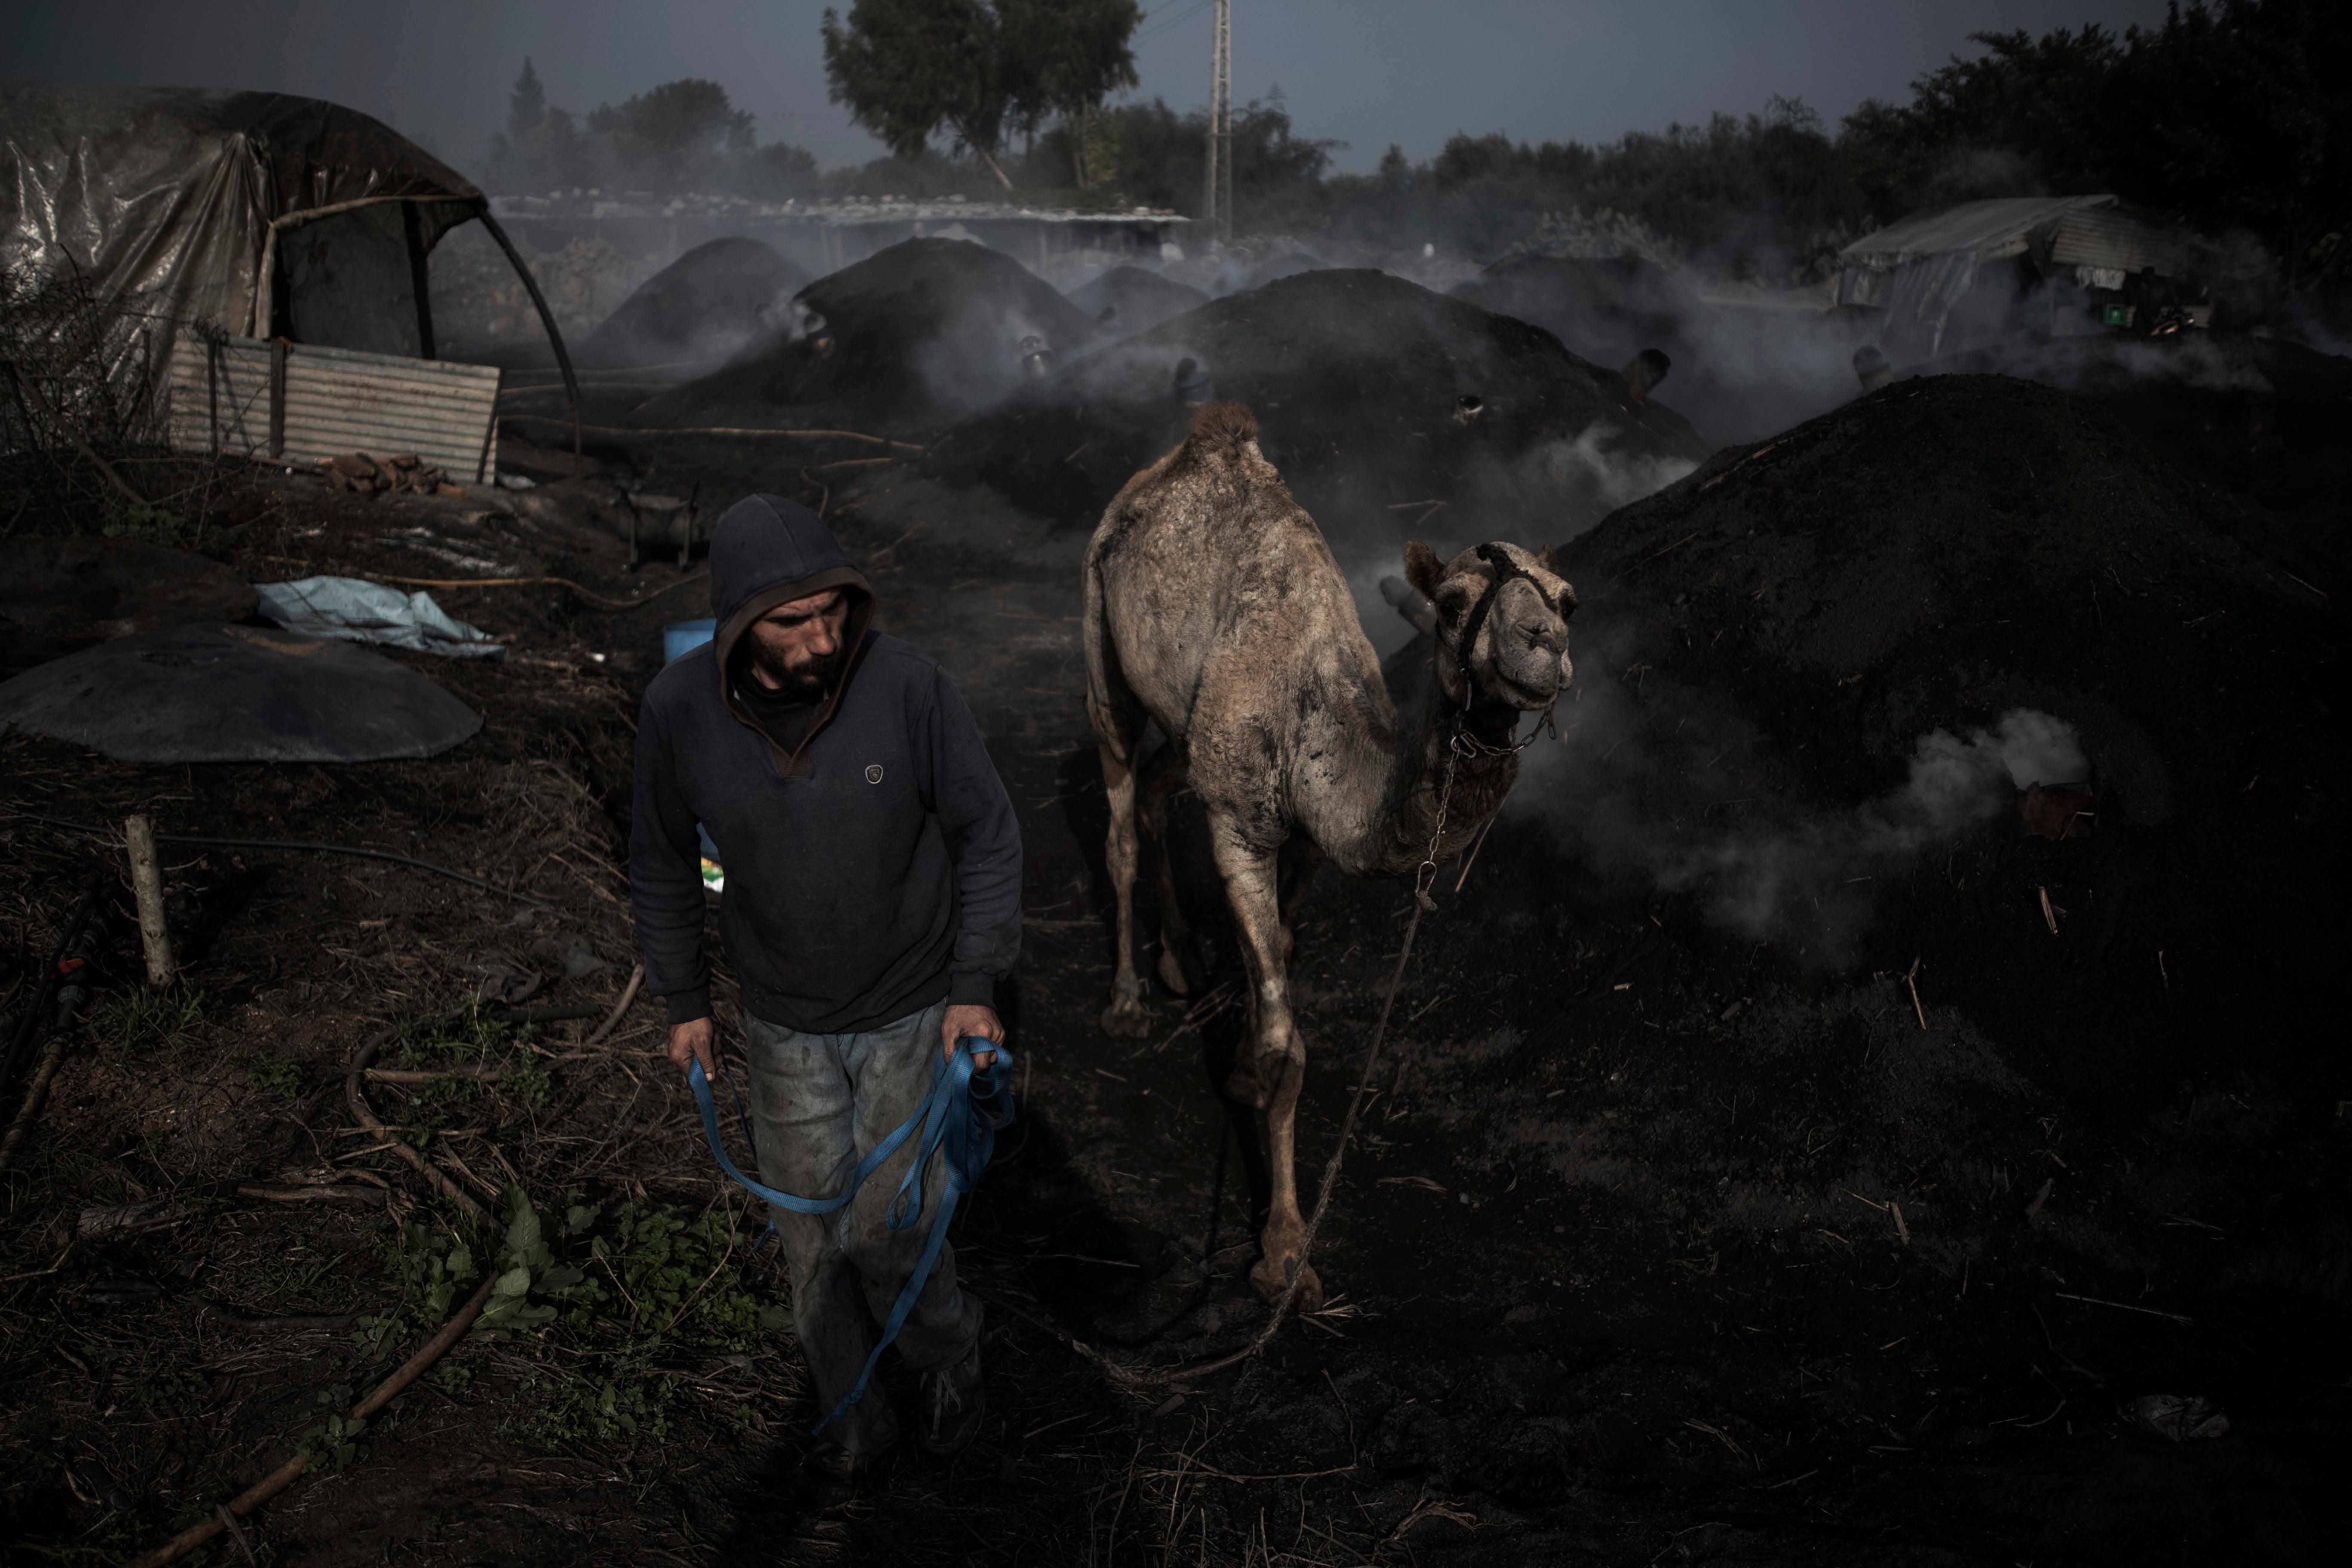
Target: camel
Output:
[(1214, 609)]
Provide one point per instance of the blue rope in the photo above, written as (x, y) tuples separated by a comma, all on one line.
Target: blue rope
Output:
[(965, 1109)]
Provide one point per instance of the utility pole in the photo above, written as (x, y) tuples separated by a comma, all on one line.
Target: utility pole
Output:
[(1217, 203)]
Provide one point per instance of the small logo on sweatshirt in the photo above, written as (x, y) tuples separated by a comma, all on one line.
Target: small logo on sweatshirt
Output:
[(873, 772)]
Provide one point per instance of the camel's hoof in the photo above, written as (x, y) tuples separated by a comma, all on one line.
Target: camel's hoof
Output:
[(1126, 1020), (1271, 1278), (1172, 973)]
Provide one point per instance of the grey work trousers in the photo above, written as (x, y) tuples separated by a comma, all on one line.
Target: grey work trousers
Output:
[(820, 1103)]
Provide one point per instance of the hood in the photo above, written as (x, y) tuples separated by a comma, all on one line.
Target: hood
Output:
[(768, 550)]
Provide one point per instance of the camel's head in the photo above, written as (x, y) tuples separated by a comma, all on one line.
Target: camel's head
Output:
[(1502, 621)]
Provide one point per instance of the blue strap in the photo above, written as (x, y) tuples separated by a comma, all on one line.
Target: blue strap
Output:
[(961, 1113)]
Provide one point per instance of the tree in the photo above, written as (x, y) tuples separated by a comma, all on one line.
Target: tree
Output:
[(1064, 57), (678, 130), (906, 67), (527, 106)]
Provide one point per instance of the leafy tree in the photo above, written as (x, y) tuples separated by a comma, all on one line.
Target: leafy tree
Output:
[(907, 68), (1064, 57), (681, 135)]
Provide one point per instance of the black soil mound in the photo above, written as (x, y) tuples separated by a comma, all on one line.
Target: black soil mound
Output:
[(2268, 421), (1770, 640), (904, 341), (1138, 300), (1289, 264), (1610, 310), (702, 307), (1740, 373), (1376, 397)]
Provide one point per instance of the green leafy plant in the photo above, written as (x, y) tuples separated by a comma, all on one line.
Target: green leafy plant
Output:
[(333, 1445), (280, 1076), (147, 1016), (602, 1294)]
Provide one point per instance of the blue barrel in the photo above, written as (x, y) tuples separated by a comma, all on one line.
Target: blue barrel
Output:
[(682, 637)]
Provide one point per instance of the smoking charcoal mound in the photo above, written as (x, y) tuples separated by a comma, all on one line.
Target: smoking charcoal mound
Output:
[(1609, 308), (913, 338), (1140, 299), (2268, 421), (1737, 373), (704, 306), (1944, 552), (1359, 380)]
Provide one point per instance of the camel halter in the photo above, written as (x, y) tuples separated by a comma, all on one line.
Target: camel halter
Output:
[(1462, 743)]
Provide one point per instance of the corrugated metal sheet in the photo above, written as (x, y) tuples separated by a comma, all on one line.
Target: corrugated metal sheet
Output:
[(1982, 226), (337, 401), (2104, 238)]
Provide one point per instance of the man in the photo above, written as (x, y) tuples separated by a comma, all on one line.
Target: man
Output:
[(873, 901)]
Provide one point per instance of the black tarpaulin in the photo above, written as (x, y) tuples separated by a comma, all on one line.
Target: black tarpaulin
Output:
[(178, 205), (236, 694)]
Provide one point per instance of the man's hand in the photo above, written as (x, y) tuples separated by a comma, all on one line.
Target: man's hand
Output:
[(962, 1019), (695, 1041)]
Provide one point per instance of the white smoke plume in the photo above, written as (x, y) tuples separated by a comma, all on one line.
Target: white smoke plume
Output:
[(1667, 793)]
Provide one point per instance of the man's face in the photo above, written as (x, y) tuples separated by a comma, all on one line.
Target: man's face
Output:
[(797, 645)]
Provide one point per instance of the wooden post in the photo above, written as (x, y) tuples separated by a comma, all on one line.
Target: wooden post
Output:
[(147, 883)]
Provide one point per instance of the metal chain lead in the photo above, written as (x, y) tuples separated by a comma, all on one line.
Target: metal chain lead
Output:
[(1462, 743)]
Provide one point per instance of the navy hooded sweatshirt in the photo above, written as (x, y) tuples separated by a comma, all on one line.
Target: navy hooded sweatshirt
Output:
[(872, 871)]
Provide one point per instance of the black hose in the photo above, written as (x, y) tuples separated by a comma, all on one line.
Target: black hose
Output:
[(293, 844)]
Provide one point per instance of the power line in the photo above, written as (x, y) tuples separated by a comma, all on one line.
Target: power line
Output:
[(1153, 32)]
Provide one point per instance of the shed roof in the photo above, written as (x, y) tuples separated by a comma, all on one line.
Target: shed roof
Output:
[(1981, 225)]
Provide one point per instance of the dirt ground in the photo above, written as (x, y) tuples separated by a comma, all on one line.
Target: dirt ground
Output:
[(1655, 1245)]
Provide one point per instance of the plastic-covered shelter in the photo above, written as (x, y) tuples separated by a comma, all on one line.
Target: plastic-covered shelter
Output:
[(255, 214), (1939, 274)]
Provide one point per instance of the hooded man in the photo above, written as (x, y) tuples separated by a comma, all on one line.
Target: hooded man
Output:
[(872, 902)]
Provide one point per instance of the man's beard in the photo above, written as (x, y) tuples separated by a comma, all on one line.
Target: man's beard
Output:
[(810, 679)]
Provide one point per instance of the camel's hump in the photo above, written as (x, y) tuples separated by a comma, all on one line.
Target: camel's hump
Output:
[(1227, 426)]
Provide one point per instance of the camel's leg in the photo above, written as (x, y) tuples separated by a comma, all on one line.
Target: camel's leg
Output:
[(1301, 858), (1119, 733), (1180, 969), (1274, 1060)]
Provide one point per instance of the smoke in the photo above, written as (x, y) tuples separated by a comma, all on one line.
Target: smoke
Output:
[(1657, 790), (2110, 362), (1614, 478)]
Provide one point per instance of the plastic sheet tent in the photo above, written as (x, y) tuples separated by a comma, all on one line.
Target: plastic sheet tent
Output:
[(258, 214), (1919, 270)]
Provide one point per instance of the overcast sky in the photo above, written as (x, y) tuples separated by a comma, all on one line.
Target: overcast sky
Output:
[(1365, 72)]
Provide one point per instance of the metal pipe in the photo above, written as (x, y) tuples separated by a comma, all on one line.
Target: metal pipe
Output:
[(546, 319)]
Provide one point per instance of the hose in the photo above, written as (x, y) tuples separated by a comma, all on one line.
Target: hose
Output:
[(292, 844)]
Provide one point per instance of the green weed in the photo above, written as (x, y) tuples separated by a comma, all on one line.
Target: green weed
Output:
[(171, 1391), (147, 1016), (602, 1295), (280, 1076), (333, 1443)]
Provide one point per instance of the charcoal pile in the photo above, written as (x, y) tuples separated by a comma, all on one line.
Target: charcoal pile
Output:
[(1137, 301), (903, 342), (2268, 421), (1739, 372), (1377, 398), (1776, 640), (700, 309), (1608, 308)]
